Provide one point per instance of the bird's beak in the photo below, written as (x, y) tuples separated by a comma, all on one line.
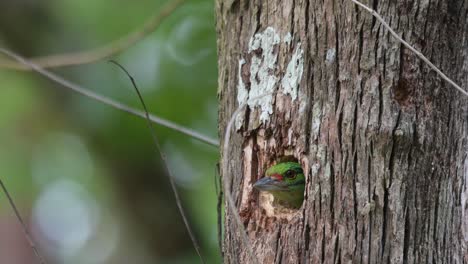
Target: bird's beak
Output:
[(269, 184)]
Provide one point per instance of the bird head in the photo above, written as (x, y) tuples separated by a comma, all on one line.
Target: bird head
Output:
[(286, 182)]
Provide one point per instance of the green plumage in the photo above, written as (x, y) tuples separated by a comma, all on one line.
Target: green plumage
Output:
[(286, 182)]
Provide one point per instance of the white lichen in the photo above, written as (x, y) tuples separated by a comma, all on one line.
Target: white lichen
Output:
[(242, 93), (314, 169), (287, 38), (293, 76), (367, 208), (262, 85), (316, 119), (263, 74), (331, 55)]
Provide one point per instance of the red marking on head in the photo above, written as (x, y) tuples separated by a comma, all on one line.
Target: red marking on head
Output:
[(277, 176)]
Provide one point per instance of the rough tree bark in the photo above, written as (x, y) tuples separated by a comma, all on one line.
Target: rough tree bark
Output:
[(382, 139)]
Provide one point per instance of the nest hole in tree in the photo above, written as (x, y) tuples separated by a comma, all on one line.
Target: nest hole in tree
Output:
[(271, 203)]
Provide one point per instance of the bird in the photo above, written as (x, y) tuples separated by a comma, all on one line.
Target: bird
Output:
[(286, 182)]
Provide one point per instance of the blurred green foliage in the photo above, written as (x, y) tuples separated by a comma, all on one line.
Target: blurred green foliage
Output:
[(52, 139)]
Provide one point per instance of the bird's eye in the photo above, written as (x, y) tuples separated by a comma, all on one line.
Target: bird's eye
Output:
[(290, 174)]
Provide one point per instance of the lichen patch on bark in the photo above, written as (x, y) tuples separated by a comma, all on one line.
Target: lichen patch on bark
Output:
[(262, 47), (287, 38), (293, 76), (264, 73), (242, 93), (331, 55)]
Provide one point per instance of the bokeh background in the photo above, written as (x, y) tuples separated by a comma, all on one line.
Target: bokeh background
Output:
[(85, 176)]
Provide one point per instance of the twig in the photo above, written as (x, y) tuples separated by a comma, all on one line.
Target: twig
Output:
[(418, 53), (227, 182), (23, 225), (219, 208), (166, 167), (103, 52), (105, 100)]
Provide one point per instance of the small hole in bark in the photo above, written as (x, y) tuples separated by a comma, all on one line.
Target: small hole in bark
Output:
[(282, 186), (402, 92), (258, 52)]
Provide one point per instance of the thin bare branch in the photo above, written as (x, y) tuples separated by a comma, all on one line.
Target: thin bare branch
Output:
[(23, 225), (105, 100), (415, 51), (113, 48), (219, 207), (166, 166)]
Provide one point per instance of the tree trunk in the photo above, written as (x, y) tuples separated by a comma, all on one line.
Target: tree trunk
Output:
[(382, 139)]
